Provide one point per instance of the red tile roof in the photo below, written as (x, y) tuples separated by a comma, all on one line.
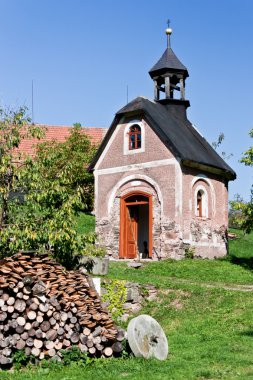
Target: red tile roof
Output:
[(59, 134)]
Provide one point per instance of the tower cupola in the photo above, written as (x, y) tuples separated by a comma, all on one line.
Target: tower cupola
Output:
[(169, 76)]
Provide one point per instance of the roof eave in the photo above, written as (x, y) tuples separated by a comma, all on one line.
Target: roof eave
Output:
[(229, 175)]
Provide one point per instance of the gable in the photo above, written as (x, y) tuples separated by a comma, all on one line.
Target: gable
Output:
[(176, 133), (117, 154)]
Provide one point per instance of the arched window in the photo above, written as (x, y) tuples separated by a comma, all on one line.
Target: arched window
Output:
[(134, 137), (200, 203)]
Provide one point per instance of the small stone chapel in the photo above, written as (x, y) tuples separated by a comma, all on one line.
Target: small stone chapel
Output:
[(160, 188)]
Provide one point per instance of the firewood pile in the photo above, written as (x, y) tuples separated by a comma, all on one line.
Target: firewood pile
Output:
[(44, 308)]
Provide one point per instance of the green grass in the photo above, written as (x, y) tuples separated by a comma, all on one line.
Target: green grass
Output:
[(85, 223), (204, 313), (242, 246)]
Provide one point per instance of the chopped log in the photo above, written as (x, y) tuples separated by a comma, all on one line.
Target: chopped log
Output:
[(36, 351), (35, 324), (20, 305), (19, 329), (49, 344), (45, 326), (92, 350), (86, 331), (39, 318), (24, 336), (66, 343), (58, 346), (3, 316), (89, 343), (39, 334), (64, 317), (43, 307), (51, 352), (29, 342), (60, 331), (74, 337), (37, 343), (21, 321), (108, 351), (28, 326), (34, 306), (20, 344), (117, 347), (11, 301), (4, 360), (27, 290), (42, 356), (31, 315), (31, 332), (7, 351), (51, 335)]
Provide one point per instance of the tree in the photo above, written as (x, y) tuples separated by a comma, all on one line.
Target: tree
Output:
[(55, 185), (245, 209), (14, 127), (216, 145)]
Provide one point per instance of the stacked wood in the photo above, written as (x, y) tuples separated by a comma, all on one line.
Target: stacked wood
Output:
[(44, 308)]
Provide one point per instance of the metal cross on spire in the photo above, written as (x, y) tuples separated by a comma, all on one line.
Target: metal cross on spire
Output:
[(168, 31)]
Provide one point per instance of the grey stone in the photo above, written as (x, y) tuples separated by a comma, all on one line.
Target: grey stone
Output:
[(134, 265), (146, 338), (133, 294)]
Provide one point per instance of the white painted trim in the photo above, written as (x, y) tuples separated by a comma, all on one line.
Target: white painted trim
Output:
[(178, 189), (126, 150), (213, 196), (96, 191), (131, 178), (204, 244), (144, 165), (108, 145)]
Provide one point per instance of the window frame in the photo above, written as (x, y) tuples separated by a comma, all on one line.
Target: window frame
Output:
[(126, 148), (204, 202), (135, 132)]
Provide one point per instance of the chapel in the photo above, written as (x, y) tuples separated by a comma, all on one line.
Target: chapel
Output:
[(161, 190)]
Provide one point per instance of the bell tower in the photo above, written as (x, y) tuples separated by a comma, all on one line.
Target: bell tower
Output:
[(169, 76)]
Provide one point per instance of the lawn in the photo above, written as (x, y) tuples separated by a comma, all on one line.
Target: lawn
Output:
[(205, 308)]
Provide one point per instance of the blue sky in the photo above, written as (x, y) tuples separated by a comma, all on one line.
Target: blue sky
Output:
[(82, 55)]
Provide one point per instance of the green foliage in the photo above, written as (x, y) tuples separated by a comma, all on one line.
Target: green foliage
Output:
[(189, 252), (74, 354), (216, 145), (115, 295), (20, 359), (55, 186), (242, 208)]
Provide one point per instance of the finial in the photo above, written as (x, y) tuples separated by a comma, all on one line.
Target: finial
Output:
[(168, 31)]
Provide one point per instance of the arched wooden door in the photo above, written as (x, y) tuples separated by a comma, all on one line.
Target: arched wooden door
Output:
[(136, 226)]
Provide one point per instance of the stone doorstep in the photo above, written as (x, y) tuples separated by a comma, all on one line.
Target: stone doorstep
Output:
[(132, 260)]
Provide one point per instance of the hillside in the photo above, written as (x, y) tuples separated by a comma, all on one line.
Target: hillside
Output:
[(205, 308)]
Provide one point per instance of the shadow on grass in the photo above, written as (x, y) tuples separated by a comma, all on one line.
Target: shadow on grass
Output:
[(245, 262), (247, 333)]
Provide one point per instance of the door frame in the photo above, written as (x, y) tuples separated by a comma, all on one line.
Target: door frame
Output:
[(123, 216)]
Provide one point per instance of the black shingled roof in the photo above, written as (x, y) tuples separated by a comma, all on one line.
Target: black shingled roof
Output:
[(177, 133), (167, 61)]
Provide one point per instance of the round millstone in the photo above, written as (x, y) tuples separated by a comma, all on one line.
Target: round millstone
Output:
[(146, 338)]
